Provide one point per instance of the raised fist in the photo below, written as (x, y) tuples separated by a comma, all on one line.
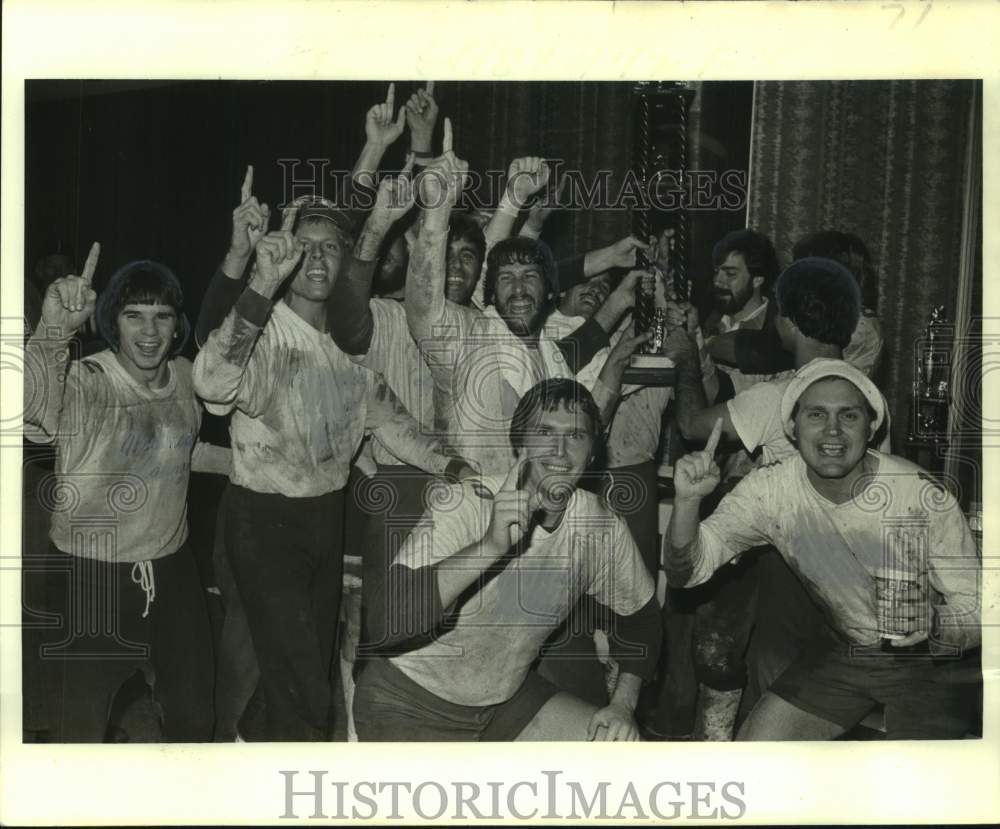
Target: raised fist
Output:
[(421, 116), (525, 177)]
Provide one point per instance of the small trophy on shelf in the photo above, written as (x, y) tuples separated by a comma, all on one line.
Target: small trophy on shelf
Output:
[(932, 381)]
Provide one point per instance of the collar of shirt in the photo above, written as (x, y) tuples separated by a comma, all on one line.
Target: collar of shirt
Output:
[(727, 324)]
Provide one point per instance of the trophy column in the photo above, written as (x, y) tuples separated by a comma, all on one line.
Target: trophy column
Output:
[(659, 161)]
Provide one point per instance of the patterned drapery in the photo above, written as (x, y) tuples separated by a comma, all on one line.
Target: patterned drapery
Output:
[(884, 160)]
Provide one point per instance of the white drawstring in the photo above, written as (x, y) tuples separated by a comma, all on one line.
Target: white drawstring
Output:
[(145, 581)]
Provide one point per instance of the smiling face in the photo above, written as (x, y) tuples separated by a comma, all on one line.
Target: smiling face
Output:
[(584, 299), (733, 286), (833, 425), (325, 247), (145, 338), (520, 297), (559, 450), (463, 267)]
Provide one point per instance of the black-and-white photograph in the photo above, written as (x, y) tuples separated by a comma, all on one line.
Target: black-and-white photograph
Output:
[(391, 408), (470, 411)]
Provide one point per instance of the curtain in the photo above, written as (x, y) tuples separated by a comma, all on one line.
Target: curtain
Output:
[(885, 160), (586, 126)]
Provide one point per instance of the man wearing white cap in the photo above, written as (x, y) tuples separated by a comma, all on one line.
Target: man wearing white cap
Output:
[(879, 545), (818, 304)]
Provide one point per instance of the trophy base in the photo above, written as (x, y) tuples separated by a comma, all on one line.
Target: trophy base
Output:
[(650, 370)]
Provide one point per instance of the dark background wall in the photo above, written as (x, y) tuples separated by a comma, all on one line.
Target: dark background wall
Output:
[(153, 169)]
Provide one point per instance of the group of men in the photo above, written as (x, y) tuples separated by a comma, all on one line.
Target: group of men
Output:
[(480, 384)]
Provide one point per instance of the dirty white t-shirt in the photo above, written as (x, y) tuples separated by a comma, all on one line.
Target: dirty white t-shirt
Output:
[(485, 657), (903, 522), (393, 353), (124, 460), (300, 405)]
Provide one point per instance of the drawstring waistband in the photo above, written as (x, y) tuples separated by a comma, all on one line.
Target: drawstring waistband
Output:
[(145, 580)]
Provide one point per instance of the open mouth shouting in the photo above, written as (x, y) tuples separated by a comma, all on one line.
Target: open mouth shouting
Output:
[(149, 348), (832, 450), (316, 273)]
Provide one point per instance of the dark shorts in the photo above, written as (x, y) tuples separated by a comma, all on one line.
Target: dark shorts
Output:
[(391, 707), (924, 698)]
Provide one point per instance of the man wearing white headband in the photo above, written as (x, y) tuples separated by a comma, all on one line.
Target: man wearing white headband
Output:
[(879, 545)]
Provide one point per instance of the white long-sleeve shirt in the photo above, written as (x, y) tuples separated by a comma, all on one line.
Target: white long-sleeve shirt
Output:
[(125, 452), (300, 405), (902, 525)]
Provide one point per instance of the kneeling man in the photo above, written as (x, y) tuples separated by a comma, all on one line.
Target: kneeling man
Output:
[(490, 571), (881, 547)]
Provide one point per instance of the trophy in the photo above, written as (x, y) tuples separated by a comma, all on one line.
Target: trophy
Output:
[(661, 110), (932, 381), (649, 366)]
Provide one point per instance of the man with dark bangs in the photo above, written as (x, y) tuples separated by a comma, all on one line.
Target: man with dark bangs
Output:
[(484, 362), (489, 572), (124, 585)]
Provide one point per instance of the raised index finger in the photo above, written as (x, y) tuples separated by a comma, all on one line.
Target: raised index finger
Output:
[(91, 264), (288, 217), (713, 439), (510, 482), (390, 97), (429, 88), (246, 190), (446, 143)]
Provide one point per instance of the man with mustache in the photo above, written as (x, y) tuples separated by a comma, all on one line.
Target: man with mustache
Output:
[(483, 362), (493, 567), (817, 305), (759, 352), (880, 546), (745, 266)]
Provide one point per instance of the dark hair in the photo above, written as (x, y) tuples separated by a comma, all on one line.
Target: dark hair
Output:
[(141, 283), (547, 396), (522, 251), (822, 298), (850, 251), (396, 235), (756, 250), (464, 228)]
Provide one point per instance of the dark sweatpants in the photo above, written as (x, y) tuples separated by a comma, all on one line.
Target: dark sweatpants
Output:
[(287, 561), (393, 501), (102, 638)]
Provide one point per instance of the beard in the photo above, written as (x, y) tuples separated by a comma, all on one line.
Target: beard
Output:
[(730, 303), (522, 325)]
